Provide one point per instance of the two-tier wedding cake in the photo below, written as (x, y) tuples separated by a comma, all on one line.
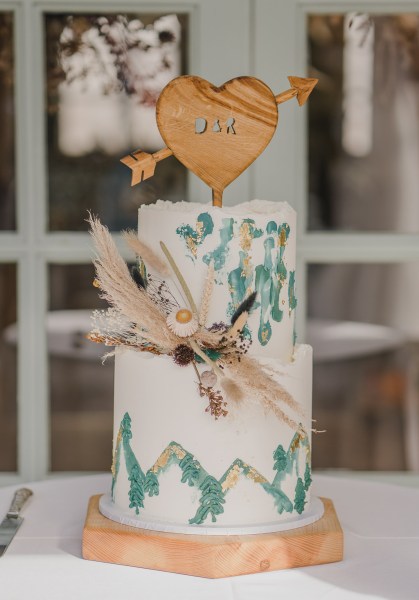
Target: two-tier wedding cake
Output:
[(212, 421), (212, 429)]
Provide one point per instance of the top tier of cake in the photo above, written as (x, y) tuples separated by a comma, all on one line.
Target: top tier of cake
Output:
[(252, 247)]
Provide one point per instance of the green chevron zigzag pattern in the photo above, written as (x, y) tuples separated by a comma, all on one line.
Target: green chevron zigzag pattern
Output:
[(213, 491)]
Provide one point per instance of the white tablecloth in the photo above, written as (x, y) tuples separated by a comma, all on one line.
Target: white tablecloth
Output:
[(381, 524)]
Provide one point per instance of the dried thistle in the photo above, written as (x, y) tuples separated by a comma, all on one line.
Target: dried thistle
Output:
[(183, 355), (147, 254), (216, 401)]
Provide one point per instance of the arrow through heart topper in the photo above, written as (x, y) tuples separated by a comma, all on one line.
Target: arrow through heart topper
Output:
[(216, 132)]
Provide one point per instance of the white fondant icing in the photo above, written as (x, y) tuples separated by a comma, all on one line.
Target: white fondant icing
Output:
[(309, 516), (162, 398), (161, 222), (164, 405), (263, 207)]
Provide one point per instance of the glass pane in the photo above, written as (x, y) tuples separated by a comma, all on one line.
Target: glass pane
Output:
[(364, 122), (81, 388), (7, 124), (8, 368), (364, 328), (104, 74)]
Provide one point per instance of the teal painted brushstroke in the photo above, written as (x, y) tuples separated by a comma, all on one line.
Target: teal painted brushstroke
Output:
[(136, 489), (270, 278), (254, 232), (280, 458), (307, 477), (211, 501), (288, 464), (292, 300), (240, 280), (212, 494), (131, 462), (219, 255), (300, 496), (194, 237), (151, 484), (267, 278), (190, 470), (281, 500), (117, 466)]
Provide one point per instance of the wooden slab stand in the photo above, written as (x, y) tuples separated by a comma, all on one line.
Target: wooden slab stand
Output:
[(212, 556)]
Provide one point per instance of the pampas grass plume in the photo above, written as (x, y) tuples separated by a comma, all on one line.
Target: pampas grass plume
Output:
[(147, 254), (234, 392)]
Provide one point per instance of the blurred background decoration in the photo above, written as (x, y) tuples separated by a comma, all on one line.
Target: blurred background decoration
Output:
[(363, 123), (7, 124), (102, 74), (363, 176), (112, 72)]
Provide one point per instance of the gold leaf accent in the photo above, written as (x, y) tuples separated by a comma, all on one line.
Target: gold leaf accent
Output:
[(162, 460), (164, 457), (282, 237), (255, 476), (245, 239), (231, 479), (118, 441), (178, 452)]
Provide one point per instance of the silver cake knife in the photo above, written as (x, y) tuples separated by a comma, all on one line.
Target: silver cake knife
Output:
[(13, 520)]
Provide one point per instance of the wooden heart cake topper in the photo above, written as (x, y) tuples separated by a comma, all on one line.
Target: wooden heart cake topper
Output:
[(216, 132)]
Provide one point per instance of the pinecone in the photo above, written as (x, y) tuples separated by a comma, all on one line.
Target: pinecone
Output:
[(183, 355)]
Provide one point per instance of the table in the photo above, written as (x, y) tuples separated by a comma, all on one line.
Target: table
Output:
[(381, 524), (343, 340), (345, 350)]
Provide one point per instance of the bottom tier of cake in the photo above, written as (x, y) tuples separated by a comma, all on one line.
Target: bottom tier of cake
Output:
[(175, 465)]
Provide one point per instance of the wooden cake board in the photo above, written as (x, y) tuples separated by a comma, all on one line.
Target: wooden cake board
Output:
[(212, 556)]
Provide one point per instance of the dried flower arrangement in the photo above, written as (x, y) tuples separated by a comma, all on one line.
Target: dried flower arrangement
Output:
[(145, 316)]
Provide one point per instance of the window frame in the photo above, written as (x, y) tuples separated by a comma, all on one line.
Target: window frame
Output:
[(32, 247), (265, 38)]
